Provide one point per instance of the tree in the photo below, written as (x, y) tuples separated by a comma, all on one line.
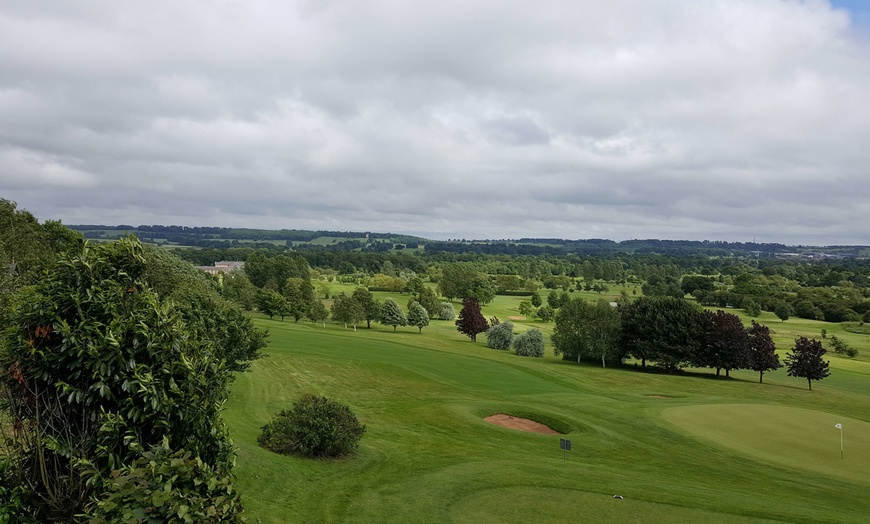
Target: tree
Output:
[(418, 316), (371, 307), (102, 369), (471, 321), (500, 335), (546, 313), (805, 360), (429, 300), (665, 330), (587, 331), (415, 285), (530, 343), (725, 344), (751, 307), (457, 280), (392, 314), (783, 311), (347, 310), (271, 303), (696, 285), (536, 300), (446, 311), (841, 348), (762, 350), (236, 287), (666, 286), (317, 312), (526, 309)]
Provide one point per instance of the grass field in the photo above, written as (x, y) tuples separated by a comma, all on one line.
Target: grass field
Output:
[(678, 448)]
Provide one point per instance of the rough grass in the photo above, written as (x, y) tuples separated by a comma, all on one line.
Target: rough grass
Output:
[(428, 456)]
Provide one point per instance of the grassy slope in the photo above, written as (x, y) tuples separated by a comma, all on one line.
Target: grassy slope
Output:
[(429, 457)]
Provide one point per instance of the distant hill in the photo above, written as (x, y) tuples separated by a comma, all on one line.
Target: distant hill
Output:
[(222, 237)]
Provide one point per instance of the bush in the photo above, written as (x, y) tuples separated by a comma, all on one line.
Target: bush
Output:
[(446, 312), (500, 335), (314, 427), (167, 486), (530, 343)]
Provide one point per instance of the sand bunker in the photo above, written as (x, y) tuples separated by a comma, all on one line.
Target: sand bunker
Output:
[(521, 424), (516, 318)]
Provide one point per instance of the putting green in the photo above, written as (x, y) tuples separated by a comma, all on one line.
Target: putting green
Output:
[(523, 504), (791, 437)]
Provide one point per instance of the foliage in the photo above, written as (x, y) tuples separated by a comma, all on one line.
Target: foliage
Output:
[(665, 330), (429, 300), (461, 280), (587, 331), (371, 307), (392, 314), (526, 308), (783, 311), (237, 288), (751, 307), (530, 343), (99, 366), (163, 485), (762, 350), (272, 303), (662, 286), (841, 348), (446, 311), (265, 269), (725, 343), (536, 300), (471, 321), (805, 360), (417, 316), (313, 427), (546, 313), (500, 335), (346, 310), (317, 312)]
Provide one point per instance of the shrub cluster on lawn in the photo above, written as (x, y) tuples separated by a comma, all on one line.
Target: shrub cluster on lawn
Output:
[(314, 427)]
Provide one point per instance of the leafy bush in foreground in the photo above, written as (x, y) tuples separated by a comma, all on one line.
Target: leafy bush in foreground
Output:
[(314, 427)]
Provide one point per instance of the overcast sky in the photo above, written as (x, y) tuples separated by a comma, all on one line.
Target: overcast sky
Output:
[(621, 119)]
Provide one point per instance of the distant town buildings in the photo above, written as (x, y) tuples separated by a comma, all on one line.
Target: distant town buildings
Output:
[(222, 267)]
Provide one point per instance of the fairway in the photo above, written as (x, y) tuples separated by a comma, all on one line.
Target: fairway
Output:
[(792, 437), (428, 455)]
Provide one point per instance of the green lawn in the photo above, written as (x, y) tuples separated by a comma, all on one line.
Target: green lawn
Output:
[(678, 448)]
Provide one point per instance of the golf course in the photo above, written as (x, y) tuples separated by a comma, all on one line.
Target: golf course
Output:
[(684, 447)]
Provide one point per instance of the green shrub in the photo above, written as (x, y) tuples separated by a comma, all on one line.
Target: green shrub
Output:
[(500, 336), (530, 343), (314, 427), (167, 486)]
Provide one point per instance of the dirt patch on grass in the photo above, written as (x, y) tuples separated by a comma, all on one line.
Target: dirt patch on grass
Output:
[(521, 424), (659, 396), (516, 318)]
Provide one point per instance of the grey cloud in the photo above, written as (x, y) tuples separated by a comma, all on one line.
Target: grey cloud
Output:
[(712, 119)]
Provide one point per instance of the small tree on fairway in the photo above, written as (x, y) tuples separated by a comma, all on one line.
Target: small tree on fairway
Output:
[(536, 300), (762, 350), (417, 316), (471, 320), (446, 312), (546, 313), (805, 360), (392, 314), (530, 343), (317, 312), (500, 335), (371, 307), (724, 344), (783, 311), (347, 311), (526, 309)]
